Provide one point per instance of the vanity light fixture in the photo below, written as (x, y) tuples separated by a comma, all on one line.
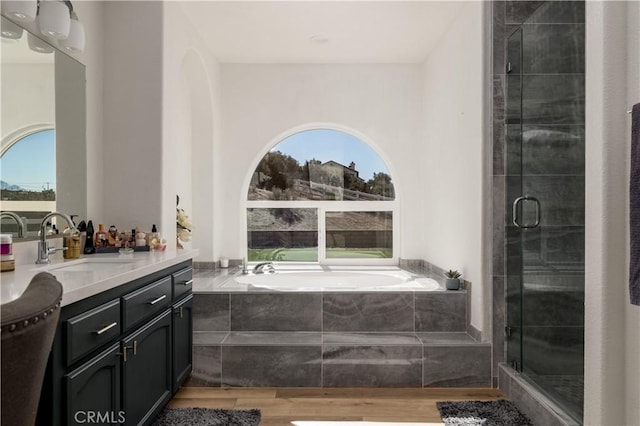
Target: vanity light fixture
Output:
[(20, 10), (38, 45), (75, 40), (11, 31), (54, 19)]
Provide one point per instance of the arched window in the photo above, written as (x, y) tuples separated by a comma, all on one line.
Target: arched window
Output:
[(322, 195), (28, 167)]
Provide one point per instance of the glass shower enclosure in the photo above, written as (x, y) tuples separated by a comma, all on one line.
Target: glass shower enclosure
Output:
[(545, 120)]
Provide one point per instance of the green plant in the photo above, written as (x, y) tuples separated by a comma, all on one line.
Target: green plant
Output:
[(452, 274)]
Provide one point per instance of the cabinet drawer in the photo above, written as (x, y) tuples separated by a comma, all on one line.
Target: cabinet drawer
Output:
[(182, 283), (91, 329), (145, 302)]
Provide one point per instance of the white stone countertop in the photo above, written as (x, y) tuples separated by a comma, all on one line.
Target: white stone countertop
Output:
[(93, 274)]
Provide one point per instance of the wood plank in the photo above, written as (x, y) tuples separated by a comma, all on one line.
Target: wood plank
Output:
[(226, 403), (205, 392)]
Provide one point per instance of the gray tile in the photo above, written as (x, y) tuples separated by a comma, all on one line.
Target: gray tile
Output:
[(288, 366), (504, 380), (471, 330), (531, 407), (513, 99), (457, 366), (211, 312), (447, 339), (553, 48), (276, 312), (376, 339), (498, 33), (513, 141), (562, 200), (553, 308), (559, 12), (499, 148), (273, 338), (553, 99), (372, 366), (206, 366), (498, 235), (441, 312), (209, 338), (553, 350), (550, 150), (498, 323), (368, 312), (553, 250), (517, 12)]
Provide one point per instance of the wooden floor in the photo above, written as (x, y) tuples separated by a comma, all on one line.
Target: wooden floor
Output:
[(282, 406)]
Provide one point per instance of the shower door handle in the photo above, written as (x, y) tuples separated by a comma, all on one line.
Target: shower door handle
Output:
[(514, 211)]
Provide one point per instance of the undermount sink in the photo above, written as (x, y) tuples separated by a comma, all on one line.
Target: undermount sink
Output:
[(95, 265)]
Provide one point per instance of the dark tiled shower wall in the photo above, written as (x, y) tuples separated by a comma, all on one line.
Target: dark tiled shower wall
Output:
[(551, 119)]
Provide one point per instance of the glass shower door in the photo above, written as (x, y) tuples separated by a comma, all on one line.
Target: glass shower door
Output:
[(545, 190)]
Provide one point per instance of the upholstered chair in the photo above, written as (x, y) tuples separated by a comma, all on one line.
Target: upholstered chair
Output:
[(28, 325)]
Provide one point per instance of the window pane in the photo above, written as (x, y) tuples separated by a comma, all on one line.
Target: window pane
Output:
[(321, 164), (359, 235), (282, 235)]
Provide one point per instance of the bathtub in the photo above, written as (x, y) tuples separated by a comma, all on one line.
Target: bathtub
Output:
[(323, 278)]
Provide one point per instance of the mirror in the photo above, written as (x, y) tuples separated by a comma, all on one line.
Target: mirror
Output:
[(43, 146)]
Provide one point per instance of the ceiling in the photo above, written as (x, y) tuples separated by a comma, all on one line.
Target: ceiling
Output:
[(347, 31)]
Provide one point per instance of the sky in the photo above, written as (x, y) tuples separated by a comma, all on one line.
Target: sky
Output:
[(31, 162), (325, 145)]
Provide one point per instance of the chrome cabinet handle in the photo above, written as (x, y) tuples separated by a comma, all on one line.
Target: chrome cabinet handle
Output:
[(185, 283), (514, 211), (108, 327), (153, 302)]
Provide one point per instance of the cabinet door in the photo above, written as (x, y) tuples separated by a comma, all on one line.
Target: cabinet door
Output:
[(93, 390), (182, 341), (147, 370)]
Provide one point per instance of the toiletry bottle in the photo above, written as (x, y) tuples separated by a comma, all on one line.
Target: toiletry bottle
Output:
[(112, 237), (101, 237), (154, 237), (132, 238), (71, 243), (89, 248)]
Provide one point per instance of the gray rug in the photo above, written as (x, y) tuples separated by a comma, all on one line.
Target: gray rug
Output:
[(207, 417), (485, 413)]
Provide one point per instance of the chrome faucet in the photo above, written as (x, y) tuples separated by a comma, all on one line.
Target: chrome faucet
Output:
[(43, 246), (22, 228), (260, 267)]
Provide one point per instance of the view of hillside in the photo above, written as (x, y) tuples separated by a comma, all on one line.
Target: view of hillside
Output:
[(281, 177)]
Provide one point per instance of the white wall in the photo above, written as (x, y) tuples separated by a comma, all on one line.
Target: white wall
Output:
[(452, 222), (190, 129), (259, 102), (612, 324), (132, 152)]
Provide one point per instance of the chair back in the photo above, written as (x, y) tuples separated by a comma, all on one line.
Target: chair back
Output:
[(28, 326)]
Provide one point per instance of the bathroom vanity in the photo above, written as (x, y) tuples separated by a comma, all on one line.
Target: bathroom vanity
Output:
[(123, 345)]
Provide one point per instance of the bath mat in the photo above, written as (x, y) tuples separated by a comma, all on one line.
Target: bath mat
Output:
[(207, 417), (485, 413)]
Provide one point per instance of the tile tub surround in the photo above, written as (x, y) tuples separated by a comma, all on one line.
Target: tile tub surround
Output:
[(334, 339), (315, 359)]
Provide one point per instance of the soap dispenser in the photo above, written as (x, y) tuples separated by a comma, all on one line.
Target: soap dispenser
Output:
[(88, 245)]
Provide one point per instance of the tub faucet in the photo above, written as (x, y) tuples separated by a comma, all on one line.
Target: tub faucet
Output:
[(22, 228), (260, 267), (43, 246)]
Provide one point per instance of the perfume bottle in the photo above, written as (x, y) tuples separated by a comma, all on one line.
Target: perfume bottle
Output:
[(88, 245)]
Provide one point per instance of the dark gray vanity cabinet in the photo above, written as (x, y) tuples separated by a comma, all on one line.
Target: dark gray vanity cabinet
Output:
[(182, 341), (147, 380), (94, 387), (119, 356)]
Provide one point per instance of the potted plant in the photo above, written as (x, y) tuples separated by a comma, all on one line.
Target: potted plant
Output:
[(453, 279)]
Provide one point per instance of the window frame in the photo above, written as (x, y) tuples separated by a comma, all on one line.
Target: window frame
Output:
[(323, 206)]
